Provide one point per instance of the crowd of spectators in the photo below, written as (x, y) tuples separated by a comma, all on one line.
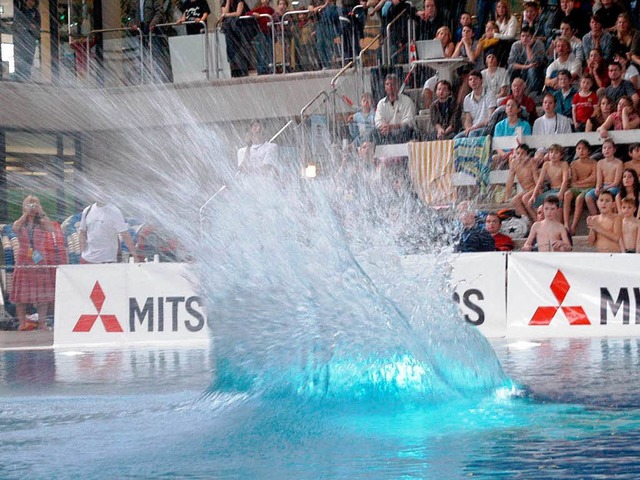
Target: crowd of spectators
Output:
[(564, 60)]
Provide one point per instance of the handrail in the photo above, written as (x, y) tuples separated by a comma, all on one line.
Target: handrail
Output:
[(306, 107), (386, 40), (355, 40), (283, 23), (361, 63), (286, 125), (113, 30), (344, 19), (205, 204), (340, 73), (203, 32), (273, 34)]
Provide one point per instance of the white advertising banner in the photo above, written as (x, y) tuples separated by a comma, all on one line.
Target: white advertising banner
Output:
[(573, 295), (478, 281), (127, 303)]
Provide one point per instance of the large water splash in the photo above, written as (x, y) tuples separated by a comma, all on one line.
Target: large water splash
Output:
[(305, 288)]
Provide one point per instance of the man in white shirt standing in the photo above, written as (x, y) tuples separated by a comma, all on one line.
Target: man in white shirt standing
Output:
[(259, 154), (100, 227), (477, 108), (395, 115)]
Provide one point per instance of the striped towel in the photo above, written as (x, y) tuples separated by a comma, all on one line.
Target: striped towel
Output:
[(473, 156), (431, 171)]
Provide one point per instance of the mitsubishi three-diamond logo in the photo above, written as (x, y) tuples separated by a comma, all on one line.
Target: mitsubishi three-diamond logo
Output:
[(85, 322), (575, 315)]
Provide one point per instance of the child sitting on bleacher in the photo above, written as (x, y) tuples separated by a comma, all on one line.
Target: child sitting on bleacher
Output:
[(549, 234), (629, 235), (583, 103), (630, 188), (583, 179), (556, 173), (605, 229), (634, 162), (608, 175)]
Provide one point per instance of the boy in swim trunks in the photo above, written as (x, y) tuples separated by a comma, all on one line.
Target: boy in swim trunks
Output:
[(556, 172), (549, 234), (605, 229), (521, 168), (629, 237), (608, 176), (583, 179)]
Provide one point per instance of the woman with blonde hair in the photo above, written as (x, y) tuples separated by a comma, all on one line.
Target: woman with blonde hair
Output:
[(623, 34), (41, 245), (507, 23)]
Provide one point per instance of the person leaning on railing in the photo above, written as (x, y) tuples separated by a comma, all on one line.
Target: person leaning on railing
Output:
[(41, 247), (194, 11)]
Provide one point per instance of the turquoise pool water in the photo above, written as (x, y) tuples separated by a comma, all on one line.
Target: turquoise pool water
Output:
[(151, 414)]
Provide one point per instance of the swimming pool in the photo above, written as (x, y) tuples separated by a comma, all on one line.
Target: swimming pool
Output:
[(149, 413)]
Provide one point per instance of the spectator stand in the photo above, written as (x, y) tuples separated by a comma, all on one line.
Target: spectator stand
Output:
[(499, 177)]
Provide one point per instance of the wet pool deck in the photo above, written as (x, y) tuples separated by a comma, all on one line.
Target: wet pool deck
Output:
[(12, 340)]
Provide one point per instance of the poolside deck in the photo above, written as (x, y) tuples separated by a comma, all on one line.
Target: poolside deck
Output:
[(26, 340)]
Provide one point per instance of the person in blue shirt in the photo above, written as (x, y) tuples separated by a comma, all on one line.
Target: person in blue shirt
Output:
[(511, 126), (362, 123)]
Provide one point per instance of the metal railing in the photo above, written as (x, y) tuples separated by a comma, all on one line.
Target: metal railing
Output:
[(206, 67), (114, 30), (283, 23), (387, 41)]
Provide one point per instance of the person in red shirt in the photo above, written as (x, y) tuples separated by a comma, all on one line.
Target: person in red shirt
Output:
[(492, 224), (264, 44), (584, 103)]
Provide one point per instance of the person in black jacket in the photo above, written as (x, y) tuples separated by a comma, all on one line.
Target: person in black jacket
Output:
[(473, 237)]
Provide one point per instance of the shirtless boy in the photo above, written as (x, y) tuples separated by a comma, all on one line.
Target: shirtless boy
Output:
[(583, 179), (608, 175), (549, 234), (523, 169), (556, 172), (630, 224), (634, 153), (605, 229)]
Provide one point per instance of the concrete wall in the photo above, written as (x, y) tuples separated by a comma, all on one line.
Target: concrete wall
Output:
[(50, 108)]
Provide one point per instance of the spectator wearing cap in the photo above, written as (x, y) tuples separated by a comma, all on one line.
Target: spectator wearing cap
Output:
[(502, 242), (598, 38), (527, 58)]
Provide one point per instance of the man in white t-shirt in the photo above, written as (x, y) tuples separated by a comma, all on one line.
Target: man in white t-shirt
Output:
[(551, 123), (100, 227), (259, 154), (477, 108)]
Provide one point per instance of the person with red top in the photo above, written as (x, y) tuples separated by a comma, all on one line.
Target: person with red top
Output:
[(264, 43), (584, 103), (41, 245), (492, 224)]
